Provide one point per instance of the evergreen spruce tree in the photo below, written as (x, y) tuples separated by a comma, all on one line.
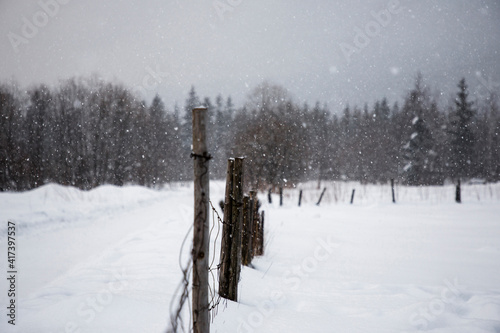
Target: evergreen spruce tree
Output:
[(381, 165), (462, 141), (191, 102), (419, 152)]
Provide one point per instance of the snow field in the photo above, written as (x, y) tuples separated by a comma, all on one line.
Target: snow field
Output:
[(107, 260), (386, 273)]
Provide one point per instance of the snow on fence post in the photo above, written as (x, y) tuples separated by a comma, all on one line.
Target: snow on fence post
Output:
[(300, 197), (227, 231), (458, 194), (237, 215), (200, 253), (352, 195), (392, 189), (321, 196)]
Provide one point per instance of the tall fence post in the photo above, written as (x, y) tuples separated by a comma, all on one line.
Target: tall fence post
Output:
[(281, 196), (201, 323), (227, 231), (237, 215), (458, 192), (352, 195), (300, 197)]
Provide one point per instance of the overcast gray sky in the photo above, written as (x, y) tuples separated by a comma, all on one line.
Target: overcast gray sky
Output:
[(328, 51)]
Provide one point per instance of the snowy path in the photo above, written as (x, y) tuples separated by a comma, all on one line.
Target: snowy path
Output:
[(83, 259), (107, 261)]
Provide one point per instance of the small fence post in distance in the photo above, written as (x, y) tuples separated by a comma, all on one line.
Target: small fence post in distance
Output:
[(260, 247), (253, 224), (458, 192), (321, 196), (392, 189)]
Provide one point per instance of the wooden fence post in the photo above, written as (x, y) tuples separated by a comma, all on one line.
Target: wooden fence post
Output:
[(458, 193), (201, 323), (352, 195), (253, 224), (300, 197), (281, 196), (321, 196), (269, 198), (235, 267), (260, 245), (227, 231), (392, 189), (247, 232)]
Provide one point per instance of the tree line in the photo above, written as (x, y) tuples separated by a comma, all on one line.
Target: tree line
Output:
[(86, 132)]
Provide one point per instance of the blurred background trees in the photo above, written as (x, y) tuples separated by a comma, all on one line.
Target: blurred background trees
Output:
[(86, 132)]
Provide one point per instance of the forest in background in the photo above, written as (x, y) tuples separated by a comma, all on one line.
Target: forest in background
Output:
[(86, 132)]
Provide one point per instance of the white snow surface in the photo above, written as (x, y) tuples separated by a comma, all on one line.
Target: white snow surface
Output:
[(107, 260)]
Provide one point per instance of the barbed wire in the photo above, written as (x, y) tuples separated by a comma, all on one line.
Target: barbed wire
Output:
[(182, 292), (176, 320), (214, 298)]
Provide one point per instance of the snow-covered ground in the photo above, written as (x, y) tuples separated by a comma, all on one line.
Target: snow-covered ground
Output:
[(107, 260)]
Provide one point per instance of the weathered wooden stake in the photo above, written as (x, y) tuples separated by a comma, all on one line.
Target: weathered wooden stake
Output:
[(227, 231), (281, 196), (269, 198), (392, 189), (300, 197), (260, 247), (247, 232), (458, 193), (352, 195), (237, 215), (321, 196), (201, 323), (254, 223)]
